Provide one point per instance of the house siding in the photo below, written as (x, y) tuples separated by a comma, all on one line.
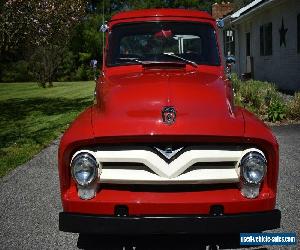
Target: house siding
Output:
[(283, 66)]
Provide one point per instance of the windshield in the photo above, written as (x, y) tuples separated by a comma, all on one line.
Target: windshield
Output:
[(156, 41)]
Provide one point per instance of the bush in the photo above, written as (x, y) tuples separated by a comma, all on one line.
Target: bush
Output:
[(276, 111), (16, 72), (80, 73), (66, 70), (260, 98), (44, 63), (84, 73), (293, 108)]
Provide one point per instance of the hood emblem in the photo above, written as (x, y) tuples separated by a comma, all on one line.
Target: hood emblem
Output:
[(169, 115), (168, 152)]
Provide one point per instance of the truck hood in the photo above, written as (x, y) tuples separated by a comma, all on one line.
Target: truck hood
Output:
[(131, 104)]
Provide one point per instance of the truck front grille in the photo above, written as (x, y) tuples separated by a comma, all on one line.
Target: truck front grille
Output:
[(147, 166)]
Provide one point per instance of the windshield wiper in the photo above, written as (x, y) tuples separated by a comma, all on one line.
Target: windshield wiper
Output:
[(131, 59), (171, 54), (145, 63)]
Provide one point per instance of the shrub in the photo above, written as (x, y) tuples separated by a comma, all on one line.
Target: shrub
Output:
[(16, 72), (44, 63), (84, 57), (236, 82), (84, 73), (276, 111), (80, 73), (66, 70), (293, 108), (261, 98)]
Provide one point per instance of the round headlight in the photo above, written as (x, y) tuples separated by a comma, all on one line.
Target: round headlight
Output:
[(253, 167), (84, 169)]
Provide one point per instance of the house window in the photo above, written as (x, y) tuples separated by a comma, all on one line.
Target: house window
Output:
[(229, 44), (266, 39), (298, 32), (248, 47)]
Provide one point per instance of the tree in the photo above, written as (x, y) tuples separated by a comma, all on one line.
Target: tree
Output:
[(241, 3), (13, 24), (45, 27)]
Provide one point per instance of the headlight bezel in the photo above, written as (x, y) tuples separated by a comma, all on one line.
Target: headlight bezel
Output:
[(94, 164), (246, 159)]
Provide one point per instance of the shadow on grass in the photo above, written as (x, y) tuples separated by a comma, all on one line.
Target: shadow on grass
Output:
[(18, 109), (37, 119)]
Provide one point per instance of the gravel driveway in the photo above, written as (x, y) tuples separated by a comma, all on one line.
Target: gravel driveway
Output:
[(30, 203)]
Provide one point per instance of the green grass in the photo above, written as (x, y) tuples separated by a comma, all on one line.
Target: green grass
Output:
[(31, 117)]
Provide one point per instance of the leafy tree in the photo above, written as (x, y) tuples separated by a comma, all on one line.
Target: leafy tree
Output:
[(14, 23), (45, 28), (241, 3), (87, 39)]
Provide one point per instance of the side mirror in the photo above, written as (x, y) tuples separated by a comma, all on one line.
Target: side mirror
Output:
[(230, 60), (104, 27), (220, 23)]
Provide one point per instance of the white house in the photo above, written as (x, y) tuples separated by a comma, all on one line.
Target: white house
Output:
[(264, 36)]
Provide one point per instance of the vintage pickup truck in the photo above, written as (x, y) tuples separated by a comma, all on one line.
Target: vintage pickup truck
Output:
[(164, 149)]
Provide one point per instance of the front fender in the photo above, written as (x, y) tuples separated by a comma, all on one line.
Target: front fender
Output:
[(259, 133), (80, 133)]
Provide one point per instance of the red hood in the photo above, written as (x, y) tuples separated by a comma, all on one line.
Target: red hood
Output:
[(131, 104)]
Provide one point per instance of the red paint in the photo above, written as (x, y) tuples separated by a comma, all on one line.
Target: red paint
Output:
[(137, 99), (129, 103), (161, 13), (151, 203)]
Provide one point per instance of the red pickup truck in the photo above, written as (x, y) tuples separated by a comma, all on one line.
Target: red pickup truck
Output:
[(164, 149)]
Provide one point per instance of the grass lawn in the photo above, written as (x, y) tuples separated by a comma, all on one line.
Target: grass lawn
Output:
[(31, 117)]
